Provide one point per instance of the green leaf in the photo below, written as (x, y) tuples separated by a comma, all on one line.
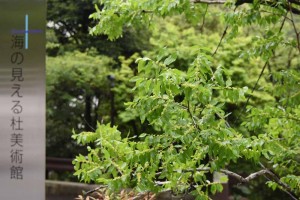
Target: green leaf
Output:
[(169, 60), (213, 188)]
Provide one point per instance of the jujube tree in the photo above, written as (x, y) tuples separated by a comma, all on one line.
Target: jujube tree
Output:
[(190, 106)]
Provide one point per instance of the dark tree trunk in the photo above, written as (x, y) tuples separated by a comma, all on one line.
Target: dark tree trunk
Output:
[(88, 113)]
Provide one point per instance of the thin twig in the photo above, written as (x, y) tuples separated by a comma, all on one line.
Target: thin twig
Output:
[(192, 117), (209, 1), (256, 83), (142, 195), (222, 37), (220, 42), (203, 20), (295, 28), (93, 190)]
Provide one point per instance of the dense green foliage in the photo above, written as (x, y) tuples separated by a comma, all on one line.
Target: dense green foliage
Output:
[(213, 105), (218, 84), (78, 91)]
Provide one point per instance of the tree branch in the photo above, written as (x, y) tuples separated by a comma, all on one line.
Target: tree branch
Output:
[(241, 179), (233, 174), (295, 28), (273, 4), (192, 116), (297, 2), (85, 194), (222, 37), (203, 20), (284, 186), (209, 1), (220, 42), (263, 2)]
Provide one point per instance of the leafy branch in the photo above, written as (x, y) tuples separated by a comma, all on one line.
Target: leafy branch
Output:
[(187, 103), (241, 179)]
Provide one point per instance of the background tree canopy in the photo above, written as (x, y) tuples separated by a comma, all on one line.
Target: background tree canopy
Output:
[(70, 22), (215, 90), (78, 90)]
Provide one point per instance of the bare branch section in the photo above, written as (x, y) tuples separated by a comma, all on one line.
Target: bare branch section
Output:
[(248, 178), (209, 1), (235, 175)]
